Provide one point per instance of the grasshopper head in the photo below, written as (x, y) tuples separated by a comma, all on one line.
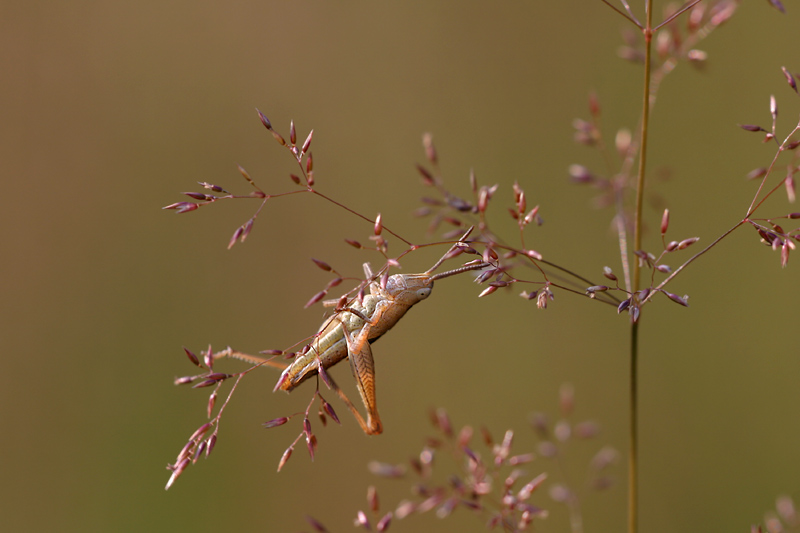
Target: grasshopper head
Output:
[(409, 289)]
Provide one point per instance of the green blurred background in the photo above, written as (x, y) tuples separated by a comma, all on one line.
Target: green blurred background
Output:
[(110, 109)]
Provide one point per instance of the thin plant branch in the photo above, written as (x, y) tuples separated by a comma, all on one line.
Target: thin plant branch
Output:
[(686, 7)]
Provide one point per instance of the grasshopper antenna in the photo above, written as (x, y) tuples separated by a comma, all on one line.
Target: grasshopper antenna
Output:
[(476, 265), (447, 254)]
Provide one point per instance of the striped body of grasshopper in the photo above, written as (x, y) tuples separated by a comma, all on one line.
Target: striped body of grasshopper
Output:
[(349, 334), (367, 319)]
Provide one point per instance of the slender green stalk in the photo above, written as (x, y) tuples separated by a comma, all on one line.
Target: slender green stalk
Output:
[(637, 231), (633, 459)]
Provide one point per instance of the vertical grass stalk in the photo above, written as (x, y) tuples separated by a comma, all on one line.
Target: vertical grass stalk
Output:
[(633, 459)]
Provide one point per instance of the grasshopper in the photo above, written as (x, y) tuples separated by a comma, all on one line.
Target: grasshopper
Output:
[(350, 332)]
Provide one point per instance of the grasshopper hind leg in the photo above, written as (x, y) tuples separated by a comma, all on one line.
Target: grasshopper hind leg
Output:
[(363, 367), (371, 426)]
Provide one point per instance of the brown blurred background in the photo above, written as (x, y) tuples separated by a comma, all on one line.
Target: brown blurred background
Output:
[(110, 109)]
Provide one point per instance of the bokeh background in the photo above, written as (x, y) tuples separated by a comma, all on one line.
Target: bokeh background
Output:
[(110, 109)]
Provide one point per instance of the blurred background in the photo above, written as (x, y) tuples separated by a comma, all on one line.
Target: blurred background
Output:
[(111, 109)]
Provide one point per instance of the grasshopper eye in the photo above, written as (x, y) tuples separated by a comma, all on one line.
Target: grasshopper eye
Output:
[(423, 293)]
